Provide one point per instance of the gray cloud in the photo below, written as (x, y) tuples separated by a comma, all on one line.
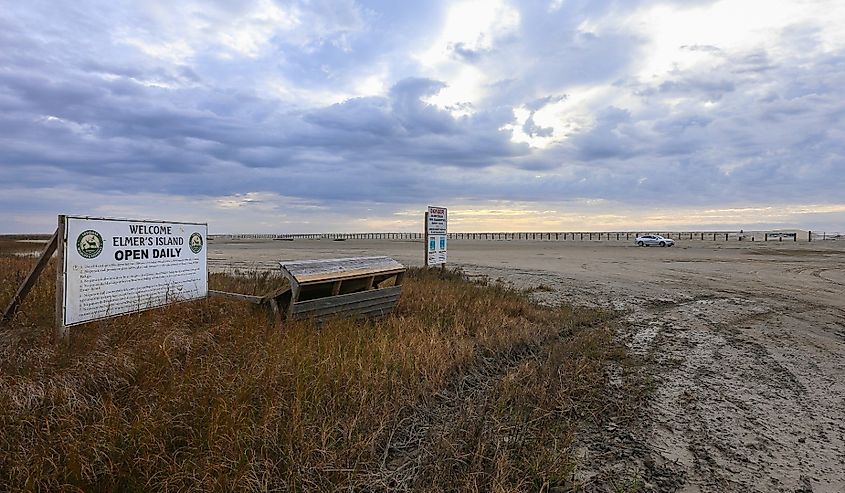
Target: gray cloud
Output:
[(97, 98)]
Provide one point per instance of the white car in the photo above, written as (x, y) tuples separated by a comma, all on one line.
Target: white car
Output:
[(649, 240)]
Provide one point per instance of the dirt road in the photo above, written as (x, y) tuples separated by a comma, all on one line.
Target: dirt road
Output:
[(746, 342)]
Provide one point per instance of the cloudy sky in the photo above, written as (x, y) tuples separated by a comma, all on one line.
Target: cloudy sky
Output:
[(304, 116)]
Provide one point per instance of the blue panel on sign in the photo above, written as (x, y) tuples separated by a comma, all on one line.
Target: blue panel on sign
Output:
[(432, 244), (442, 242)]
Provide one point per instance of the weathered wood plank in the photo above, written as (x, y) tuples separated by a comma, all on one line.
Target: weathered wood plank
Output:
[(349, 274), (343, 299), (339, 264), (315, 271), (60, 333), (294, 291), (358, 307), (376, 312), (237, 296), (277, 313)]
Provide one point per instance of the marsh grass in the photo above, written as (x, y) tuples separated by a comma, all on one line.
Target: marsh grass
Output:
[(253, 282), (468, 386), (21, 245)]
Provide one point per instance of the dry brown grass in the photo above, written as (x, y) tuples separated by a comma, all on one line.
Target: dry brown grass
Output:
[(258, 283), (466, 387)]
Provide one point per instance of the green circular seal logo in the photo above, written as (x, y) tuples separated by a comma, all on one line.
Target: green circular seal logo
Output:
[(195, 242), (89, 244)]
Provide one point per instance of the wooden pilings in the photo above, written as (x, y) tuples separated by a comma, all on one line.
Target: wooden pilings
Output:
[(619, 236)]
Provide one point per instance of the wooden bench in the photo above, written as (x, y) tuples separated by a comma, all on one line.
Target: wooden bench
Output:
[(321, 289)]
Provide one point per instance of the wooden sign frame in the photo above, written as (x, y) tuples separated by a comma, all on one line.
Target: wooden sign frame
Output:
[(61, 332), (56, 244)]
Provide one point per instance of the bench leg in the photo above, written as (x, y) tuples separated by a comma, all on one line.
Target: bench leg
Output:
[(277, 313)]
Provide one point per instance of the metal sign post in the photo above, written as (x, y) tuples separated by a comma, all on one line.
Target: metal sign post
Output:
[(425, 238)]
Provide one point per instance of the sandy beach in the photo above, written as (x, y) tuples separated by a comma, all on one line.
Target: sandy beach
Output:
[(745, 342)]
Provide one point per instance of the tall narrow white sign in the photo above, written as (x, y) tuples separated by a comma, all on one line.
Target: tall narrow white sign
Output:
[(436, 234), (119, 266)]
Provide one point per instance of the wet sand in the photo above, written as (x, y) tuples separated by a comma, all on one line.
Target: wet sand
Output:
[(746, 342)]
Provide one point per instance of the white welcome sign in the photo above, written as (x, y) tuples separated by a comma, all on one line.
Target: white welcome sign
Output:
[(117, 266)]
